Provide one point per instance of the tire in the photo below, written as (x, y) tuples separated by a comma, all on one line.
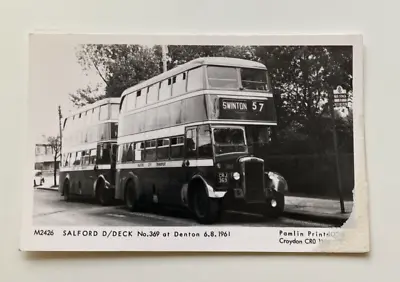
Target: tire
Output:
[(130, 197), (206, 210), (103, 195), (66, 194)]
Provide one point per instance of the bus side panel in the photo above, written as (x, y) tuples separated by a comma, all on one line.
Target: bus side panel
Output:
[(88, 181), (76, 182), (61, 179)]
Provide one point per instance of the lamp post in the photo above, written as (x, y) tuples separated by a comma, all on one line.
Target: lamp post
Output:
[(338, 98)]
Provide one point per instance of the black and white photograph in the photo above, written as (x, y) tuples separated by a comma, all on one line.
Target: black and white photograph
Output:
[(173, 143)]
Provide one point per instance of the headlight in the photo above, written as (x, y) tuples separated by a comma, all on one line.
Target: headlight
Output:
[(236, 175)]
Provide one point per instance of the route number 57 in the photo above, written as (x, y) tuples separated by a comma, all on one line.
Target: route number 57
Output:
[(257, 106)]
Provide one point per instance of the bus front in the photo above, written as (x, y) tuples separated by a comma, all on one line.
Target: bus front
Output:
[(241, 112)]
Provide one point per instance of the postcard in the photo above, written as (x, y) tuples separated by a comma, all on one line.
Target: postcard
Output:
[(195, 143)]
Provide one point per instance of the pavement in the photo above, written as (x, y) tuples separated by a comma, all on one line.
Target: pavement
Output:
[(302, 208), (321, 210)]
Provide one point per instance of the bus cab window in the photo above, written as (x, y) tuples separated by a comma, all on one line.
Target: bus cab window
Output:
[(103, 154), (205, 148), (191, 148)]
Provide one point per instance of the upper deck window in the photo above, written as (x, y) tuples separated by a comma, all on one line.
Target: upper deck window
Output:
[(114, 111), (195, 79), (179, 84), (222, 77), (104, 112), (95, 114), (141, 98), (152, 93), (165, 90), (254, 79)]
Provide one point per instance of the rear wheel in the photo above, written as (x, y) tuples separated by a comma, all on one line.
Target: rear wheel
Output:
[(206, 210), (130, 196)]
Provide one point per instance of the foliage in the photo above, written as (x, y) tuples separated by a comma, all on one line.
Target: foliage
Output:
[(302, 78), (119, 66), (55, 144)]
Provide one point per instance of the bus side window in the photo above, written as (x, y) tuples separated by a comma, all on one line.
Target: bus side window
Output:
[(139, 152), (77, 158), (93, 154), (150, 146), (129, 152), (163, 149), (177, 147), (85, 157), (67, 160), (191, 143)]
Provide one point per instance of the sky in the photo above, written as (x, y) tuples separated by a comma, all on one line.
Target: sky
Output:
[(54, 73)]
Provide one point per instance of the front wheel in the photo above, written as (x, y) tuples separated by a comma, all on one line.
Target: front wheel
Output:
[(206, 210)]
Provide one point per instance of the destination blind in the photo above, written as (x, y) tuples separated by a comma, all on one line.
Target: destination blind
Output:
[(247, 109)]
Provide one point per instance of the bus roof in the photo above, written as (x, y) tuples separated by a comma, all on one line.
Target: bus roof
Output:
[(94, 105), (219, 61)]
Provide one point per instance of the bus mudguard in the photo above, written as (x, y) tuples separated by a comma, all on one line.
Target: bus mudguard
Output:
[(209, 189), (277, 182), (108, 184)]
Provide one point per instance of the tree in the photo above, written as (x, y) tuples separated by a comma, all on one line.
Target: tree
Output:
[(55, 144), (84, 96), (302, 78), (119, 66)]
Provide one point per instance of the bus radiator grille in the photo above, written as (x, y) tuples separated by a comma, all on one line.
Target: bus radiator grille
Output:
[(254, 182)]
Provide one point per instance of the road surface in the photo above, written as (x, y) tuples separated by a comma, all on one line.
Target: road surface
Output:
[(50, 209)]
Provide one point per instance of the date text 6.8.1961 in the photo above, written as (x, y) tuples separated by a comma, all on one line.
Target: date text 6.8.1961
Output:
[(217, 234)]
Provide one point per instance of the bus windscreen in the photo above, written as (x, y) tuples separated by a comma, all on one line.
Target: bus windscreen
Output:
[(229, 140)]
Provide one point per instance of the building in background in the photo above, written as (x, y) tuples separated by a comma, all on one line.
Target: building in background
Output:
[(44, 156)]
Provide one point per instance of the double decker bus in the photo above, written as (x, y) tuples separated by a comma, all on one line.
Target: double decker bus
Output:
[(89, 137), (189, 136)]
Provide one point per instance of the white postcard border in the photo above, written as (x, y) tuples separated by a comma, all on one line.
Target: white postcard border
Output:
[(353, 236)]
